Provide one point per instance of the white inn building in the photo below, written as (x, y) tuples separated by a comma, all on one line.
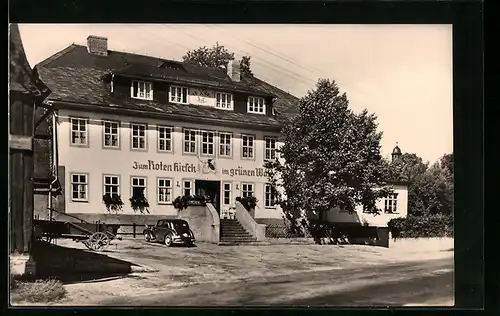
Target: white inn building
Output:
[(127, 122)]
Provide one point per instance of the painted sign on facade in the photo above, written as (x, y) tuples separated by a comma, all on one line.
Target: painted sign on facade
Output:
[(201, 97), (255, 172), (191, 168), (175, 167)]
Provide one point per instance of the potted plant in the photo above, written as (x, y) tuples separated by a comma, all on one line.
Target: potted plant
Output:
[(139, 203), (113, 203), (182, 202), (249, 203)]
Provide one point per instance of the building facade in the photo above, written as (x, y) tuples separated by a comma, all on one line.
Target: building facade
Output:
[(104, 153), (127, 123)]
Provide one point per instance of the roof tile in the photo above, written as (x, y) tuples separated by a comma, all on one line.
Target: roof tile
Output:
[(74, 75)]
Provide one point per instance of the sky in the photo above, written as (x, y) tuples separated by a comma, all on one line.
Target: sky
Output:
[(402, 73)]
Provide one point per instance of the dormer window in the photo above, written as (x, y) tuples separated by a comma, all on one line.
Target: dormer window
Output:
[(141, 90), (178, 94), (224, 101), (256, 105)]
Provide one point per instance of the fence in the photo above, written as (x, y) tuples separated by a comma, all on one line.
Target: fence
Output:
[(134, 230), (328, 231)]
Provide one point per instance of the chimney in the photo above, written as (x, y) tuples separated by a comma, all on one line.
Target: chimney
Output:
[(233, 70), (97, 45)]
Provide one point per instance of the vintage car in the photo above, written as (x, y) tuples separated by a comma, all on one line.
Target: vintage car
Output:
[(169, 232)]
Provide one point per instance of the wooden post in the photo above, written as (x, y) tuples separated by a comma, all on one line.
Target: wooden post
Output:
[(133, 229), (21, 175), (26, 91)]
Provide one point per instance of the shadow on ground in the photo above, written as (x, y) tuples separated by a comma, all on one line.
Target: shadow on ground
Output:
[(422, 289), (72, 265)]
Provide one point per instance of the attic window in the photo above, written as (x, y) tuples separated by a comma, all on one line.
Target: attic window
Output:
[(224, 100), (141, 90), (178, 94), (256, 105)]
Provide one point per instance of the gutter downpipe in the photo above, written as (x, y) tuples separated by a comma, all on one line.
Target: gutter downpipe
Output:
[(55, 160)]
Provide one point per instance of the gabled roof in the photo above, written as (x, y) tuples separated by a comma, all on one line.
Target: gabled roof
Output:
[(22, 78), (76, 76)]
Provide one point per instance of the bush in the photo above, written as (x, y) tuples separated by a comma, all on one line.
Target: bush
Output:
[(39, 291), (248, 202), (421, 226)]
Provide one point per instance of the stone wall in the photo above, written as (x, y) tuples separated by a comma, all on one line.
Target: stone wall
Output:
[(201, 222)]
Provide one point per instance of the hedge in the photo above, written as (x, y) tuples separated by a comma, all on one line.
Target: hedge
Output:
[(424, 226)]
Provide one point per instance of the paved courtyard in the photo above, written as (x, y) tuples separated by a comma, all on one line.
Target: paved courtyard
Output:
[(277, 274)]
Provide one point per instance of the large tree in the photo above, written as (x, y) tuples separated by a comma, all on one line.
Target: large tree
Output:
[(330, 158), (432, 192), (216, 57), (408, 167), (430, 189)]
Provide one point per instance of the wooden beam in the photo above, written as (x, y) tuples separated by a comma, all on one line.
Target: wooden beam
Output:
[(21, 142), (16, 202), (43, 136), (28, 198), (42, 118)]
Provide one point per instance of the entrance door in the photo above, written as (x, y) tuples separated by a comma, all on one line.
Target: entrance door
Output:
[(211, 189)]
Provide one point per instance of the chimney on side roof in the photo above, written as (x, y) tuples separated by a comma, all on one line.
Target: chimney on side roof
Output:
[(233, 70), (97, 45)]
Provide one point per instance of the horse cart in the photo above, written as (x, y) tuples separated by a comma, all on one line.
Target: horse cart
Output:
[(95, 236)]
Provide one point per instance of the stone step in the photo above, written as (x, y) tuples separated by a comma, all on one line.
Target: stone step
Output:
[(241, 232), (238, 239), (232, 228), (230, 224), (236, 235), (246, 243)]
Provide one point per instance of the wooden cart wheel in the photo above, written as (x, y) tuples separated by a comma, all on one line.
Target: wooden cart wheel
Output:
[(98, 241)]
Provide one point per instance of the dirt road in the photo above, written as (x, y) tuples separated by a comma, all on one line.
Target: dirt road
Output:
[(429, 282), (270, 275)]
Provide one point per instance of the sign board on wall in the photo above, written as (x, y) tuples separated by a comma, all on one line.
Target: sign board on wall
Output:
[(191, 168), (201, 97)]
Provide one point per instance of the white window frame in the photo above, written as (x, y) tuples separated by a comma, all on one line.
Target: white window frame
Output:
[(245, 190), (110, 124), (117, 185), (165, 139), (84, 184), (206, 143), (391, 204), (81, 122), (190, 141), (224, 191), (142, 87), (268, 192), (256, 105), (173, 94), (243, 146), (139, 137), (221, 101), (167, 196), (138, 185), (184, 187), (225, 147), (269, 152)]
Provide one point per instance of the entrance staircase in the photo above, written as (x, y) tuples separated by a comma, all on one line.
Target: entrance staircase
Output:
[(232, 233)]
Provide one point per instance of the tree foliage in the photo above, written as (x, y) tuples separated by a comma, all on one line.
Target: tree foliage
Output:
[(430, 189), (408, 167), (330, 158), (215, 57)]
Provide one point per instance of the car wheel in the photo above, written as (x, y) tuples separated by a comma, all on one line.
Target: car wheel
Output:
[(168, 240), (147, 237)]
